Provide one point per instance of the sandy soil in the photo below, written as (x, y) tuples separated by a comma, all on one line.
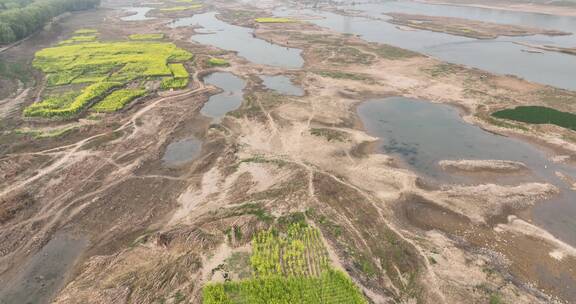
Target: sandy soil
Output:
[(466, 27), (157, 234)]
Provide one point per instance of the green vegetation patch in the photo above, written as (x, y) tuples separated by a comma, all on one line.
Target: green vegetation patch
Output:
[(67, 107), (117, 100), (85, 31), (329, 134), (274, 20), (152, 36), (289, 267), (181, 8), (40, 134), (539, 115), (78, 39), (344, 75), (106, 66), (217, 62), (179, 77)]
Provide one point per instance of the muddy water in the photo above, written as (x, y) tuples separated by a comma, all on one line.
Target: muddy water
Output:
[(45, 272), (282, 85), (501, 56), (421, 134), (240, 39), (230, 99), (140, 13), (182, 151)]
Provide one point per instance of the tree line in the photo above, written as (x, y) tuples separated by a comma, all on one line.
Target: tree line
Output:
[(20, 18)]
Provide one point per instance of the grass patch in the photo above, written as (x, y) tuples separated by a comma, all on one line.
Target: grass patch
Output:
[(85, 31), (274, 20), (392, 52), (146, 36), (39, 134), (181, 8), (79, 39), (117, 100), (105, 66), (539, 115), (289, 267), (213, 62), (329, 134), (344, 75)]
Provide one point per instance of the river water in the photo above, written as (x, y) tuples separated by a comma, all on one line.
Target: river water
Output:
[(241, 40), (501, 56), (230, 99), (422, 133)]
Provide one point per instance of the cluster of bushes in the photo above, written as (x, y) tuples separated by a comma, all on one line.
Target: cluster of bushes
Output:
[(20, 18)]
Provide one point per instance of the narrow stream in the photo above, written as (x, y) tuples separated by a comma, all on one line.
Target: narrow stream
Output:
[(240, 39), (421, 134)]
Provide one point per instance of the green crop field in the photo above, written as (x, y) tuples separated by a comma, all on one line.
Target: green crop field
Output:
[(274, 20), (539, 115), (179, 78), (181, 8), (289, 267), (117, 100), (151, 36), (104, 67)]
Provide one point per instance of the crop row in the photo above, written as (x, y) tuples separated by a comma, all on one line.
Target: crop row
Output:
[(56, 107), (117, 100), (298, 252)]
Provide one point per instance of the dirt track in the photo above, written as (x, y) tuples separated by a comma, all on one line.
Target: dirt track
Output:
[(156, 230)]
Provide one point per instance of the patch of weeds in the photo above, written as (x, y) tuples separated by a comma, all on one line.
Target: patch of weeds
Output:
[(495, 298), (344, 75), (217, 62), (432, 260), (504, 124), (262, 160), (365, 265), (154, 36), (274, 20), (292, 218), (237, 233), (178, 298), (239, 263), (253, 209), (329, 134), (391, 52), (39, 134), (443, 69)]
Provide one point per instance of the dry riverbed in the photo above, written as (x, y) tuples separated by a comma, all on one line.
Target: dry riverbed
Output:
[(157, 233)]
